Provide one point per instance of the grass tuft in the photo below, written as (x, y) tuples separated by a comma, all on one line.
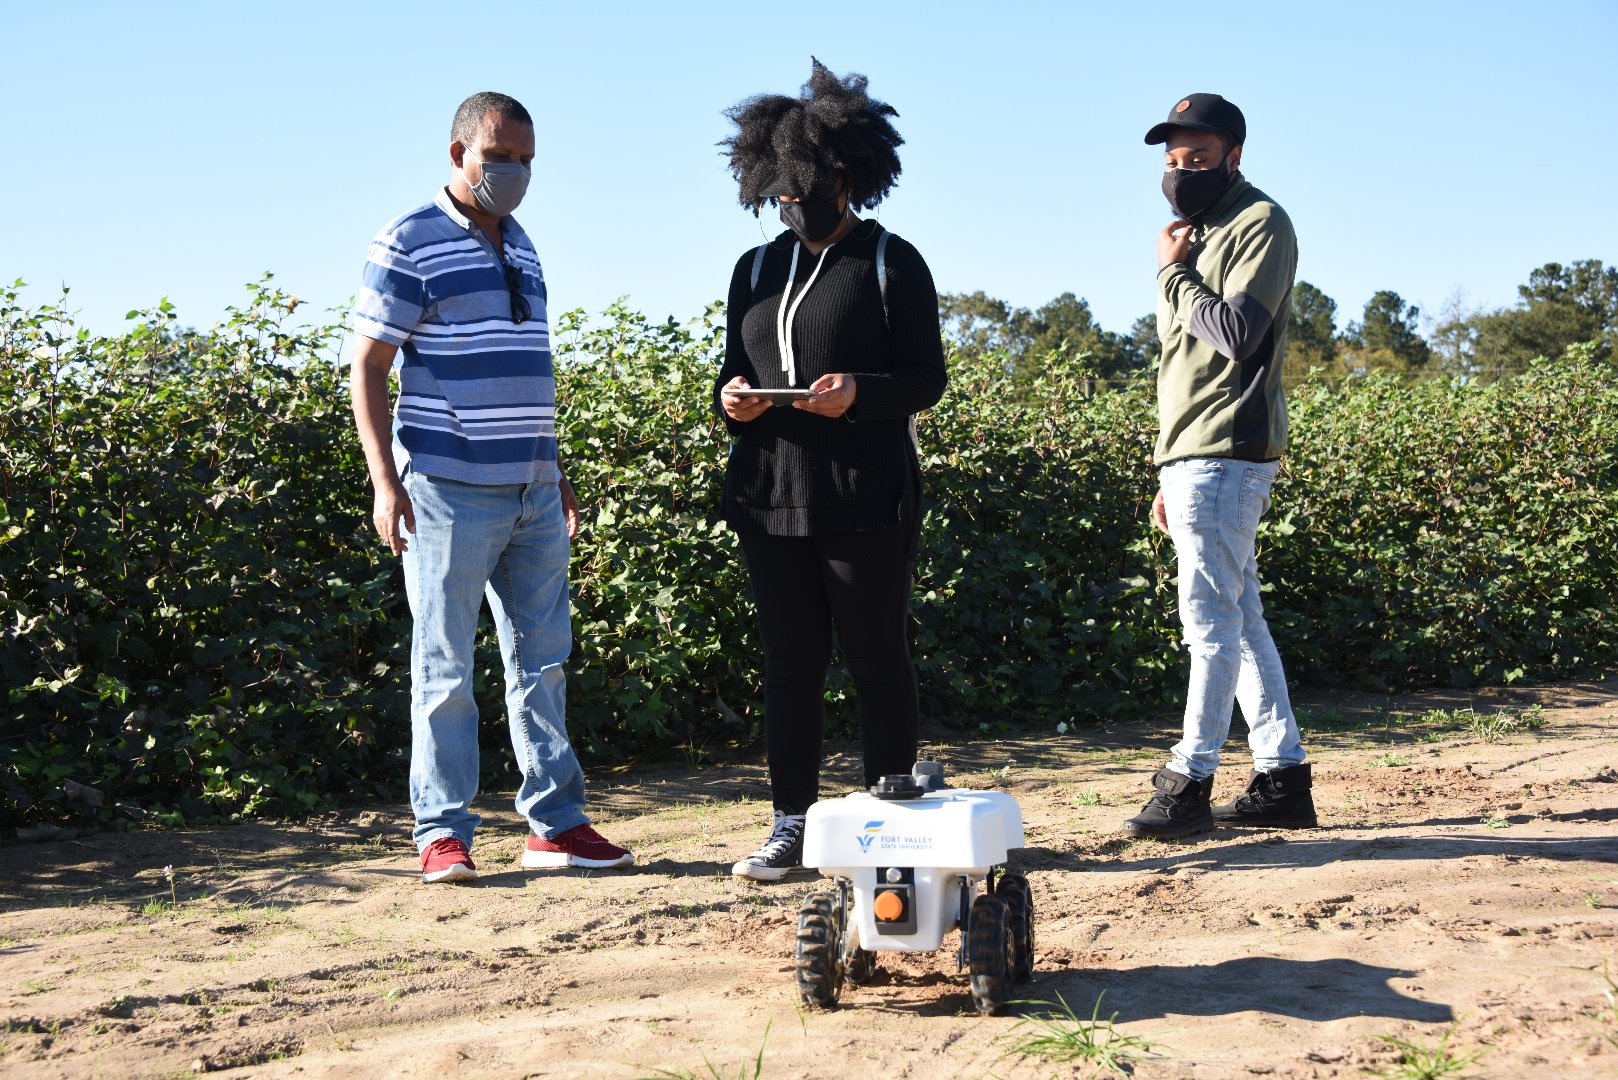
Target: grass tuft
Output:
[(1610, 992), (1489, 727), (1418, 1061), (710, 1071), (1061, 1035)]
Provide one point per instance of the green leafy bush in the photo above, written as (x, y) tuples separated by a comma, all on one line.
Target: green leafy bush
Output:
[(191, 623), (665, 649), (1452, 534), (196, 618)]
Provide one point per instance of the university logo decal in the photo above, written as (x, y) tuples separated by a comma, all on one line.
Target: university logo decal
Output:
[(869, 834)]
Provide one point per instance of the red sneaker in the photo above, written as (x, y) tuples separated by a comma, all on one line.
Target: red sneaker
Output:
[(579, 846), (446, 859)]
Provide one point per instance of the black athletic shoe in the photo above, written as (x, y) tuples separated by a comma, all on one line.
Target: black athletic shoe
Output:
[(778, 856), (1179, 808), (1279, 799)]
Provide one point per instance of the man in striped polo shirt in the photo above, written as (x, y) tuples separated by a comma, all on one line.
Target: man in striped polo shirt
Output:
[(470, 492)]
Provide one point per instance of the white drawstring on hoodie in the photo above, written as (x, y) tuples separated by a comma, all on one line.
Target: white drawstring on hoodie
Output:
[(785, 315)]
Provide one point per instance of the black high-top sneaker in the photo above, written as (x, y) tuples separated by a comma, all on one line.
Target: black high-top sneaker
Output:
[(1279, 799), (1179, 808), (779, 855)]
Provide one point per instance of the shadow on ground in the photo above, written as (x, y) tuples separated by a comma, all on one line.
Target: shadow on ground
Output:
[(1278, 852), (1312, 990)]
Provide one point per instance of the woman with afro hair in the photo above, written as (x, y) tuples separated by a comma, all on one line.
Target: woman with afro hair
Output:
[(824, 492)]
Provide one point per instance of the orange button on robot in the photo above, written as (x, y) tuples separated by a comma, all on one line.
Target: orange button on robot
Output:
[(889, 906)]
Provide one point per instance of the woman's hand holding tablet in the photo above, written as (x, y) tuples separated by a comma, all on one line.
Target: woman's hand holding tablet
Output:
[(739, 404)]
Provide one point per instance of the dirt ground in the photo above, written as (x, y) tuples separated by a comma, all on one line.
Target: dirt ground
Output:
[(1457, 885)]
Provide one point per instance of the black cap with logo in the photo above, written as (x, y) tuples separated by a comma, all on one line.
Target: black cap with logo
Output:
[(1202, 112)]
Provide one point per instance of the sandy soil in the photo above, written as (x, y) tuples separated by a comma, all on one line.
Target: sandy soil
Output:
[(1455, 883)]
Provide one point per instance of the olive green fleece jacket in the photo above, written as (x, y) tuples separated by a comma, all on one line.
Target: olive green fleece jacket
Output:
[(1222, 317)]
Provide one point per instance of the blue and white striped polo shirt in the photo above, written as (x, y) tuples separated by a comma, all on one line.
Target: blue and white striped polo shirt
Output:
[(477, 398)]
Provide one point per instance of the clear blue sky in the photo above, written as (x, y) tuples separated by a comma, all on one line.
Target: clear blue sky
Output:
[(183, 149)]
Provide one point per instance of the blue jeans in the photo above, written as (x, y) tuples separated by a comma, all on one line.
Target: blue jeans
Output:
[(1213, 507), (509, 542)]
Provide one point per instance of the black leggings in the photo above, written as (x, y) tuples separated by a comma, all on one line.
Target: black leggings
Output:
[(804, 586)]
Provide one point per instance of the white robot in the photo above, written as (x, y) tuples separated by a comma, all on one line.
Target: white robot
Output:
[(906, 859)]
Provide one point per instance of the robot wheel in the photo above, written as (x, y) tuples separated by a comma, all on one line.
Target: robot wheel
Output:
[(988, 953), (819, 965), (1013, 889)]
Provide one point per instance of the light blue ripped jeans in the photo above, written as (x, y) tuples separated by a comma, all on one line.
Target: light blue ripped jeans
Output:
[(1213, 507), (508, 541)]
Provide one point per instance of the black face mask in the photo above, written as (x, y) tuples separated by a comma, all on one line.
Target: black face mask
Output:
[(1192, 191), (812, 219)]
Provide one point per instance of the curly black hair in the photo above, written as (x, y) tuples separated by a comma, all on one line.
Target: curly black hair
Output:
[(833, 126)]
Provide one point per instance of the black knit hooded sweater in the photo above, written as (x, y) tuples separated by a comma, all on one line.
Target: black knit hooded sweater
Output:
[(792, 473)]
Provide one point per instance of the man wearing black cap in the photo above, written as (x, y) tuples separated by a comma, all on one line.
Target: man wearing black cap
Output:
[(1224, 294)]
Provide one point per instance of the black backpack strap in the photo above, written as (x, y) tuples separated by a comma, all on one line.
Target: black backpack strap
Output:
[(882, 286), (882, 271), (758, 265)]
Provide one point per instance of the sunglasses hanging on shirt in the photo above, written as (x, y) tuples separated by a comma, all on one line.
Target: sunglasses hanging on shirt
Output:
[(520, 311)]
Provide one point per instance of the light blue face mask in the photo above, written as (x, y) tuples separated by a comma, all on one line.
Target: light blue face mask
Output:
[(503, 185)]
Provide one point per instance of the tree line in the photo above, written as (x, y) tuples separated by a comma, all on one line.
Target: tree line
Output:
[(1560, 305)]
